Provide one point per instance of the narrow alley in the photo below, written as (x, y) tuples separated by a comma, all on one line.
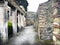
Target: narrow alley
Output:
[(26, 37), (29, 22)]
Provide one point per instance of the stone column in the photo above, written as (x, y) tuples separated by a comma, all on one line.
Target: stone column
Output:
[(2, 28), (19, 21), (23, 20), (14, 21), (7, 13), (4, 21)]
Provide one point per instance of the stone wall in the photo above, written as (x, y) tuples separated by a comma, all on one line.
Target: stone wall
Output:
[(11, 16), (45, 10)]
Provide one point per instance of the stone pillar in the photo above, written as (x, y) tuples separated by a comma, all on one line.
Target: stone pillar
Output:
[(3, 24), (2, 28), (23, 21), (4, 21), (19, 21), (14, 21), (6, 17)]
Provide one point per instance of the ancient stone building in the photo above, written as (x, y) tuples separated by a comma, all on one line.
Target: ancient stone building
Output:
[(45, 20), (56, 22), (49, 27), (11, 12), (30, 18)]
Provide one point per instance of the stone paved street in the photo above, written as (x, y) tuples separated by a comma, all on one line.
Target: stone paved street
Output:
[(26, 37)]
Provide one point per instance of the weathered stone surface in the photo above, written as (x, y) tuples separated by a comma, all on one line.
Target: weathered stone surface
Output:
[(44, 12)]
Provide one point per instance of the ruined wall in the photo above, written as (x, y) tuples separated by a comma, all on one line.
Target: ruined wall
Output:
[(56, 22), (45, 10)]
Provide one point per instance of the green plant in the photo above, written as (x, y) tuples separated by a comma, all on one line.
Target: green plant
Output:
[(48, 42), (9, 23), (10, 29)]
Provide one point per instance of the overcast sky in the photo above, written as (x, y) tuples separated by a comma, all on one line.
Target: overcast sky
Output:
[(33, 4)]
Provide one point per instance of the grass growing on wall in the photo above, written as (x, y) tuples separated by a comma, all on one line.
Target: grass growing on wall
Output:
[(10, 29), (48, 42), (9, 23)]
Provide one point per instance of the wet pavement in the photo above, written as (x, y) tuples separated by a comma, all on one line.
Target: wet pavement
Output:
[(26, 37)]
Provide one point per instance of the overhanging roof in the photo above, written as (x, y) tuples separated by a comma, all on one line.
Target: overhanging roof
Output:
[(16, 5)]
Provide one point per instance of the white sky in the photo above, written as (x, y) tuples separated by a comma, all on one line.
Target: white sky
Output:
[(33, 4)]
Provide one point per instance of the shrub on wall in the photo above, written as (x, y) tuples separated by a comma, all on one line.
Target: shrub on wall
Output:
[(48, 42), (10, 29)]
